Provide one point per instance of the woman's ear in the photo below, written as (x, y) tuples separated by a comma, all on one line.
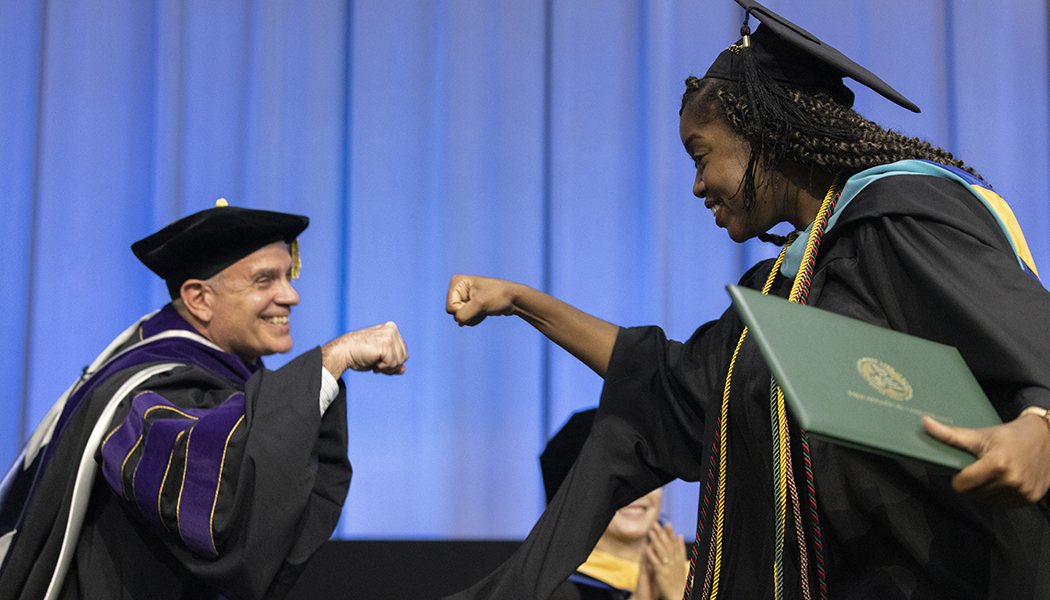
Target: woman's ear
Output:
[(195, 296)]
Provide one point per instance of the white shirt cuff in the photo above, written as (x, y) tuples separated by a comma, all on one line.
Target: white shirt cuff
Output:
[(329, 389)]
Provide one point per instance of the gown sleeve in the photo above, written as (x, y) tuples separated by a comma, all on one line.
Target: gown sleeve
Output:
[(648, 430), (241, 487)]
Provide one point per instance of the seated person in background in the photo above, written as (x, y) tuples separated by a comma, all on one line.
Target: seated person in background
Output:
[(637, 557), (177, 466)]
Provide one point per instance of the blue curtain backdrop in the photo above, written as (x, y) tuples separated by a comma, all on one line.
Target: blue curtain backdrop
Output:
[(534, 141)]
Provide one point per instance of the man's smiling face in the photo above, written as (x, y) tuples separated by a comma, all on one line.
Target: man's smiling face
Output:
[(251, 301)]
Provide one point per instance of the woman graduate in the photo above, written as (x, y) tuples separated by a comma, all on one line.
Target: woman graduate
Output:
[(890, 230)]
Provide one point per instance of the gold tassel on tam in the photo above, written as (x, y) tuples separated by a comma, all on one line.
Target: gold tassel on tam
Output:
[(297, 263), (221, 202)]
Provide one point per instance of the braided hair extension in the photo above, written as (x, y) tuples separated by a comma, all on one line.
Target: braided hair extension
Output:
[(817, 133)]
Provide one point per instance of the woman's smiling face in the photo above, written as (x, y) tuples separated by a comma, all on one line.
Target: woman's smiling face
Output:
[(721, 156)]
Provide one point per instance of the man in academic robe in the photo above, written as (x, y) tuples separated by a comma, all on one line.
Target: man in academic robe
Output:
[(178, 466)]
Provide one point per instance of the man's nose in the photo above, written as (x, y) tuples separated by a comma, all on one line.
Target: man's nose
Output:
[(287, 294)]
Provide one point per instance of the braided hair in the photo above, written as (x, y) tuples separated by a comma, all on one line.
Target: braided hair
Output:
[(821, 132)]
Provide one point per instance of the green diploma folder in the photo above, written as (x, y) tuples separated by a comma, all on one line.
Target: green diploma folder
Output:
[(853, 383)]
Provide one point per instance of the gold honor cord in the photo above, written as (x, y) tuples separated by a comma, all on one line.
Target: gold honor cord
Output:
[(783, 474)]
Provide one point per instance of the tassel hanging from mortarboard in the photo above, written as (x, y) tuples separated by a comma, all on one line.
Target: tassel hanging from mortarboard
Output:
[(297, 263), (776, 119)]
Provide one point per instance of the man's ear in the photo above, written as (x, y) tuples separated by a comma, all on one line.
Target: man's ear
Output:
[(195, 296)]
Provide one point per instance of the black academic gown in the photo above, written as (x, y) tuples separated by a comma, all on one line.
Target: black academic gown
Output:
[(914, 253), (281, 493)]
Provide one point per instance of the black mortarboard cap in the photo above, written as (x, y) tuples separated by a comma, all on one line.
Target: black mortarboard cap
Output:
[(201, 245), (563, 449), (792, 56)]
